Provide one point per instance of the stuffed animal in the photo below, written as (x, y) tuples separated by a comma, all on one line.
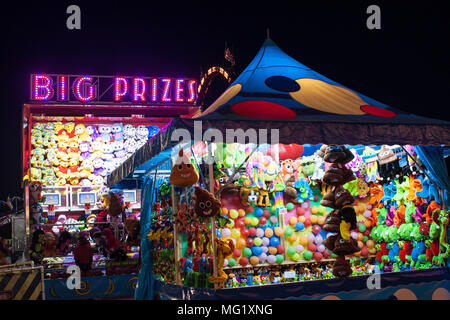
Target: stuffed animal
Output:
[(263, 198), (91, 130), (105, 133), (99, 168), (133, 228), (183, 173), (248, 195), (206, 205), (130, 145), (142, 132), (304, 191), (117, 131), (287, 169), (64, 243), (70, 130), (388, 164), (35, 189), (223, 249), (49, 244), (36, 251), (318, 167), (108, 149)]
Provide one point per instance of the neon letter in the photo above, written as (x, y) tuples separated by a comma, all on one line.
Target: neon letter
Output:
[(120, 90), (166, 97), (62, 88), (80, 89), (139, 95), (42, 87), (179, 90), (191, 88)]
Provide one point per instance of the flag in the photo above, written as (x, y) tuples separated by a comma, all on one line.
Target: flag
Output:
[(229, 56)]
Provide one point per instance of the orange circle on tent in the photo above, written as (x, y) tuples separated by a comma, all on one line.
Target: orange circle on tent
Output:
[(278, 231), (302, 219), (261, 109), (272, 250), (241, 213), (293, 221), (292, 238), (313, 218)]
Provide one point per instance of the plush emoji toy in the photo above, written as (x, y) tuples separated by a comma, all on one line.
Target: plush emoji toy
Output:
[(287, 169), (206, 205), (388, 164), (183, 173)]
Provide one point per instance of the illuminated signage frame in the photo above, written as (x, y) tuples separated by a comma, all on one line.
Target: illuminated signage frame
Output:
[(87, 89)]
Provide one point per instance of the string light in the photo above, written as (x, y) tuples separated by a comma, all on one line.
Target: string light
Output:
[(136, 94), (117, 88), (91, 89), (40, 86), (166, 97), (191, 89), (154, 89), (179, 90)]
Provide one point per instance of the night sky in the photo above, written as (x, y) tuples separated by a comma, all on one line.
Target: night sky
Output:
[(405, 64)]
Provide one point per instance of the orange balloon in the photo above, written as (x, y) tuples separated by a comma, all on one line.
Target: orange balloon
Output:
[(368, 223), (272, 250), (303, 241), (292, 238), (357, 254), (241, 243), (225, 211), (254, 260), (360, 244), (313, 218), (247, 220), (360, 236), (373, 250), (314, 209), (241, 213), (370, 244), (278, 231), (302, 219), (268, 232), (293, 221), (321, 220)]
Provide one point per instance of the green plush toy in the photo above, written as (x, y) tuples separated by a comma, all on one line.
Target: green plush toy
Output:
[(402, 190), (392, 233), (434, 230), (352, 187), (410, 210), (382, 212), (416, 235)]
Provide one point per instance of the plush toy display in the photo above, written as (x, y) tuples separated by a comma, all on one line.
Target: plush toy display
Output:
[(183, 173)]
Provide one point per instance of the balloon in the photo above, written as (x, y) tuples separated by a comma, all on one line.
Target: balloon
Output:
[(268, 232), (279, 258), (357, 254), (368, 223), (354, 235), (224, 211), (274, 241), (321, 209), (230, 224), (247, 252), (311, 247), (299, 248), (292, 238), (316, 229), (313, 219), (318, 240), (295, 257), (231, 262), (307, 223), (321, 248), (245, 232), (252, 231), (257, 241), (293, 221), (367, 232), (226, 232), (241, 213), (300, 211), (262, 257), (303, 240), (278, 231), (256, 251), (307, 255), (225, 262), (290, 250), (367, 214), (373, 250), (273, 219), (233, 214), (265, 249), (262, 221), (266, 213), (265, 241), (364, 252), (235, 233), (321, 220), (361, 227), (370, 244), (243, 261), (247, 220), (314, 210), (241, 243), (259, 232), (272, 250), (254, 260), (239, 223), (280, 249), (311, 237), (254, 221), (249, 242), (360, 244), (259, 212), (360, 236), (317, 256), (237, 253), (299, 226), (249, 209), (326, 254), (288, 232), (302, 219), (368, 206), (305, 205), (290, 206), (271, 259)]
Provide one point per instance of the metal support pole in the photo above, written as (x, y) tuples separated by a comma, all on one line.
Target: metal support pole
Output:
[(213, 223)]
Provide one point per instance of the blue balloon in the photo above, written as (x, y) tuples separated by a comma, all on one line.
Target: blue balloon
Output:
[(274, 241), (257, 251), (259, 212), (299, 226)]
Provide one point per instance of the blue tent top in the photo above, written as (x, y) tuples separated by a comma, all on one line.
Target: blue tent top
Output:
[(275, 86)]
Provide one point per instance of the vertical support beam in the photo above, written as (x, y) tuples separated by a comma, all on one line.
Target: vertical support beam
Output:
[(176, 235), (27, 217), (213, 223)]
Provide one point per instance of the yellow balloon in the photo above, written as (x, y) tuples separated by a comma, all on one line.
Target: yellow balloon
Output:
[(302, 219), (313, 218), (293, 221), (314, 210), (225, 211), (236, 233), (320, 220), (234, 214), (278, 231)]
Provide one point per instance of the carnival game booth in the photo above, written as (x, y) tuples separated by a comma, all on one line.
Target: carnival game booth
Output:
[(76, 130), (347, 187)]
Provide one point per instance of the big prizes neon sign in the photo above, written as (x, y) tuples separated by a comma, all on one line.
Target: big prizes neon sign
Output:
[(104, 89)]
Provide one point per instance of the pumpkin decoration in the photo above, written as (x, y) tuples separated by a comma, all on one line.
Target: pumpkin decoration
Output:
[(183, 173)]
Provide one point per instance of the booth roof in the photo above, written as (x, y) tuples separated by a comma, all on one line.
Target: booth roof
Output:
[(277, 92)]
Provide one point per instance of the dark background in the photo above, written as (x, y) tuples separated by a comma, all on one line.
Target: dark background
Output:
[(405, 64)]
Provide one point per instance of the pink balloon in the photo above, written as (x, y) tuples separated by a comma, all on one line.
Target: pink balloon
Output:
[(321, 248), (265, 241), (354, 235), (305, 205), (271, 259), (265, 249), (299, 248), (367, 213), (262, 257), (273, 219), (260, 232), (369, 206), (311, 237), (318, 240)]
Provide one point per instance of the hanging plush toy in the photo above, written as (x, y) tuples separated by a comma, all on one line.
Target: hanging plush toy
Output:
[(287, 169), (223, 249), (206, 205), (183, 173), (248, 195), (49, 244), (35, 188), (388, 164)]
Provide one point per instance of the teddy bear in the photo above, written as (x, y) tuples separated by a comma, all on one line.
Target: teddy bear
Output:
[(129, 132), (133, 228), (70, 130), (97, 146), (108, 149), (92, 132), (130, 145), (73, 151), (105, 133), (98, 181), (62, 169), (87, 168), (62, 149), (82, 134), (117, 131), (74, 171), (49, 244)]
